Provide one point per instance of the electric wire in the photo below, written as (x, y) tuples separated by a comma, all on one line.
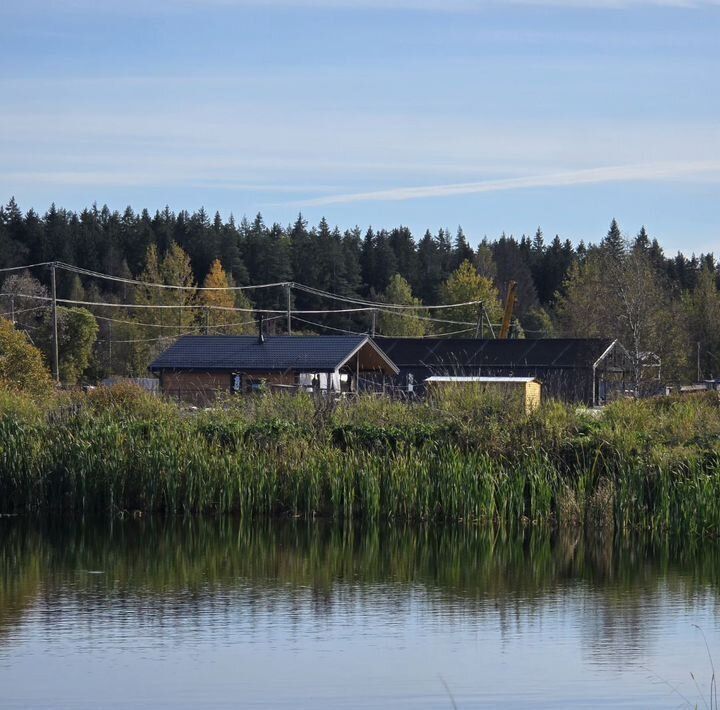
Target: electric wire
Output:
[(377, 304), (28, 266), (148, 284), (362, 305)]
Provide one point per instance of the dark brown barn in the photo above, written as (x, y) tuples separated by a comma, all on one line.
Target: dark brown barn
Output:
[(590, 371), (197, 368)]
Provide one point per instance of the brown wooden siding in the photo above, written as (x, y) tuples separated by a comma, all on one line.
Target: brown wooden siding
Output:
[(203, 387)]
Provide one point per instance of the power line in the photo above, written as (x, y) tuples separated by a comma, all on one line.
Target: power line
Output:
[(108, 304), (148, 284), (355, 332), (163, 325), (361, 305), (378, 304), (284, 284), (417, 317), (22, 310), (429, 335), (176, 336), (29, 266), (327, 327)]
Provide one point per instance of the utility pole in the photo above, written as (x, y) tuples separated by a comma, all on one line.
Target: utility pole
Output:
[(480, 327), (374, 313), (288, 287), (207, 321), (487, 317), (698, 362), (12, 308), (55, 358)]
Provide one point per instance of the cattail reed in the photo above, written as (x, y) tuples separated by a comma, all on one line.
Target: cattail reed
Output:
[(648, 465)]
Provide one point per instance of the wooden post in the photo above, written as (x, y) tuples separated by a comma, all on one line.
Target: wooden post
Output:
[(55, 356), (480, 327), (289, 309)]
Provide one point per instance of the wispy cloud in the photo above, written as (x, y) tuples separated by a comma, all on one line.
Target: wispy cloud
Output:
[(465, 5), (413, 5), (442, 5), (619, 173)]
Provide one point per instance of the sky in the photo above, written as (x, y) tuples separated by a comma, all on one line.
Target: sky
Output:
[(497, 115)]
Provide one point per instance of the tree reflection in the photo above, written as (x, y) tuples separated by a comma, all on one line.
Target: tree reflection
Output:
[(185, 573)]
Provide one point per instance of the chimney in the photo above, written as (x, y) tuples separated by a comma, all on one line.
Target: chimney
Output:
[(261, 330)]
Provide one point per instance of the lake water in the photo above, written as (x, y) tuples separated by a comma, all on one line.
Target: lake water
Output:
[(214, 613)]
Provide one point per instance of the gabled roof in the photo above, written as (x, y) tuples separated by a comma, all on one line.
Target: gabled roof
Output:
[(465, 352), (508, 380), (317, 353)]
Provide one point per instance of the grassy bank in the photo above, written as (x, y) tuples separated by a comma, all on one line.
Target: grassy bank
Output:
[(642, 465)]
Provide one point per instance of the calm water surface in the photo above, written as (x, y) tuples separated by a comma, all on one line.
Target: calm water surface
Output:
[(219, 614)]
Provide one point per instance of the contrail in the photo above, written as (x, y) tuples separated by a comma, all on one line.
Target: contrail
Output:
[(647, 172)]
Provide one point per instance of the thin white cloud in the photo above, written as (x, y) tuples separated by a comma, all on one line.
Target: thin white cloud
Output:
[(649, 172), (160, 6), (444, 5)]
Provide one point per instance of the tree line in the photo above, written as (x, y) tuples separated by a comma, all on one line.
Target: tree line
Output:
[(662, 307)]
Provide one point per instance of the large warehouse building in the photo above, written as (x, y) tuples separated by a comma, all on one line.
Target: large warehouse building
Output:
[(591, 371)]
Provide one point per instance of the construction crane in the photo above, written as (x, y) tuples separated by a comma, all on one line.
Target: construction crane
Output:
[(509, 307)]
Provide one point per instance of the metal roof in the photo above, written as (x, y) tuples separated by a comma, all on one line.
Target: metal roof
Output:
[(464, 352), (442, 378), (318, 353)]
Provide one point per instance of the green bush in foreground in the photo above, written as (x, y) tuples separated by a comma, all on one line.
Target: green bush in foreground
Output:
[(652, 464)]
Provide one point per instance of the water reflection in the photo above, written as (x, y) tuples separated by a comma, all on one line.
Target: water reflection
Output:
[(299, 589)]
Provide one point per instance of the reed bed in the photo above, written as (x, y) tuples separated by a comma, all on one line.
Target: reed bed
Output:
[(652, 465)]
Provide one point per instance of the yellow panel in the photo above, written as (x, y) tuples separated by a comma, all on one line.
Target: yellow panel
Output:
[(533, 396)]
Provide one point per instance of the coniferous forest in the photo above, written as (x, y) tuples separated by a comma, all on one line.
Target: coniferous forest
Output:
[(624, 285)]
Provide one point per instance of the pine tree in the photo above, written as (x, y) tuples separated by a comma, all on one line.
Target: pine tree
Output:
[(512, 267), (367, 262), (176, 270), (462, 251), (403, 246), (642, 241), (538, 244), (613, 243), (430, 270)]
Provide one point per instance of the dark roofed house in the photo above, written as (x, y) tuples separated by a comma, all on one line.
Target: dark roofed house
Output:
[(590, 371), (196, 368)]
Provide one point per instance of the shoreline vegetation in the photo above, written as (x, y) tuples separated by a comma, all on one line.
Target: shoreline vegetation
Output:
[(463, 456)]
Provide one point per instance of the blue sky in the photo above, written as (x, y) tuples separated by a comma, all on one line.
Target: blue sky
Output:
[(496, 115)]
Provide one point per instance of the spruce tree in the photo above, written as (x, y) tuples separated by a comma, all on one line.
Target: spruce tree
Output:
[(613, 243)]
